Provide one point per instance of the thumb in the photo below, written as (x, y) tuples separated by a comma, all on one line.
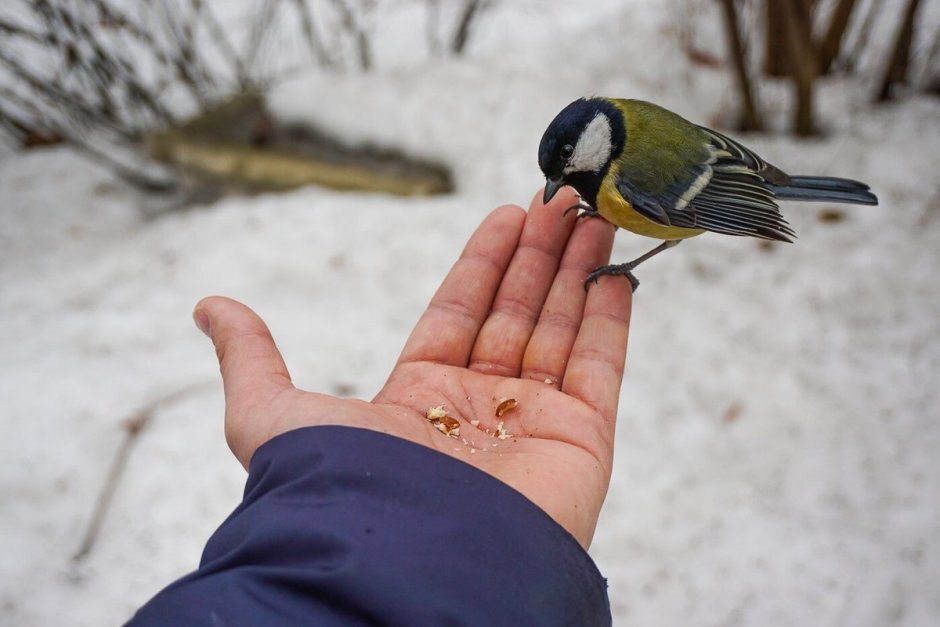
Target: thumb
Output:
[(253, 371)]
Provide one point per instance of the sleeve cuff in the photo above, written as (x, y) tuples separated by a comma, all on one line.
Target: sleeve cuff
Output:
[(351, 526)]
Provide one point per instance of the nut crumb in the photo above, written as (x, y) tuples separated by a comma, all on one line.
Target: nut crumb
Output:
[(506, 405), (501, 432), (475, 422), (732, 413), (549, 381), (447, 425)]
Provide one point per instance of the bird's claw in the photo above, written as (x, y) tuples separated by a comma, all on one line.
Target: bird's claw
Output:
[(587, 210), (623, 269)]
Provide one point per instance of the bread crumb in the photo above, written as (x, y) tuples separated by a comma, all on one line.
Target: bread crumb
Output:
[(435, 413)]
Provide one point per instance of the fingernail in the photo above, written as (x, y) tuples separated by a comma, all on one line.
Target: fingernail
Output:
[(201, 318)]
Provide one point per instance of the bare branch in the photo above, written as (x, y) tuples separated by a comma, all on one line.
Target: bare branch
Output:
[(317, 51), (9, 28), (62, 97), (355, 28), (432, 26), (183, 59), (260, 31), (222, 41), (471, 11)]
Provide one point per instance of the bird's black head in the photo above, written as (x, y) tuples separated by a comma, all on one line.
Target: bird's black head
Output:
[(578, 146)]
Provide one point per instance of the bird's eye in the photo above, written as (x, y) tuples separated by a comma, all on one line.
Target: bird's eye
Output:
[(566, 151)]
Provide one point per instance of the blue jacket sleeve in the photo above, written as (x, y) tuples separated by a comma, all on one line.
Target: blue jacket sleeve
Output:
[(346, 526)]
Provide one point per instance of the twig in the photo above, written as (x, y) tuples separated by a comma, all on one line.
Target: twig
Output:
[(183, 58), (464, 26), (9, 28), (261, 28), (228, 50), (190, 49), (353, 26), (134, 426), (317, 51), (85, 58), (165, 183), (69, 101), (137, 92), (100, 66), (432, 25), (38, 122), (15, 128)]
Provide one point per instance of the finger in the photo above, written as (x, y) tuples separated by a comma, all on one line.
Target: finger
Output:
[(448, 328), (253, 371), (546, 356), (595, 368), (500, 347)]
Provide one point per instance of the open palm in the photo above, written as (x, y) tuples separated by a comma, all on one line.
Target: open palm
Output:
[(510, 321)]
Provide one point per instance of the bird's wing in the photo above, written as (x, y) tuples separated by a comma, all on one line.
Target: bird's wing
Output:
[(719, 188)]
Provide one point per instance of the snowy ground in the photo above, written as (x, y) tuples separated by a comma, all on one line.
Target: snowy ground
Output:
[(777, 459)]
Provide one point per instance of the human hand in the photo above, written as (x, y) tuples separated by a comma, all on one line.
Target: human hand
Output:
[(510, 320)]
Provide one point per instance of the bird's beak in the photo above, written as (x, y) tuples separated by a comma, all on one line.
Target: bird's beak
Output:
[(551, 188)]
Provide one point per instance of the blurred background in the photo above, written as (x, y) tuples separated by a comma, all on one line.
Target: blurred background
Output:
[(324, 161)]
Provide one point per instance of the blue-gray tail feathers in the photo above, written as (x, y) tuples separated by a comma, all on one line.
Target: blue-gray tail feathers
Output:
[(824, 188)]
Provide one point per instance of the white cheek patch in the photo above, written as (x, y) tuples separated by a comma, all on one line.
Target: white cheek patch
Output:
[(593, 148)]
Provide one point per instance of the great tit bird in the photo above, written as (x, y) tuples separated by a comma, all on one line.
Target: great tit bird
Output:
[(652, 172)]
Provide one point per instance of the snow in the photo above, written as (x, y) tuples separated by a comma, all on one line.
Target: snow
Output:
[(778, 433)]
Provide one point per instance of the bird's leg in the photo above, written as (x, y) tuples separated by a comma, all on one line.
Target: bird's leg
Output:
[(625, 269)]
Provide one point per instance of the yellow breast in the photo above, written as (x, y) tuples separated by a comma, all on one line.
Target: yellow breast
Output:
[(615, 209)]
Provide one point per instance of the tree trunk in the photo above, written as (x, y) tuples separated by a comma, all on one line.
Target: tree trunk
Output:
[(801, 63), (832, 41), (932, 78), (896, 71), (775, 51), (749, 118)]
